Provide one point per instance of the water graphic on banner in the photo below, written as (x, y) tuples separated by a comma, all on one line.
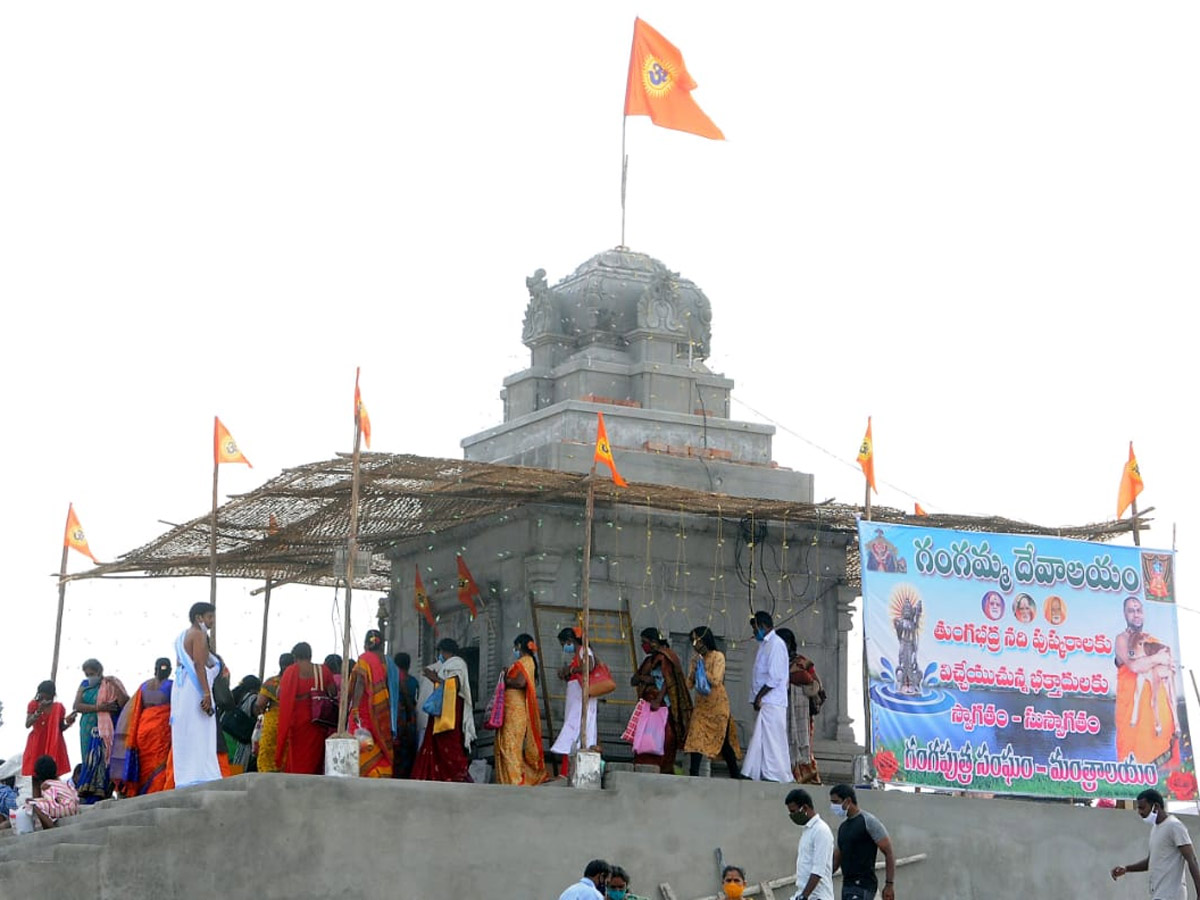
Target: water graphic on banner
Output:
[(1023, 665)]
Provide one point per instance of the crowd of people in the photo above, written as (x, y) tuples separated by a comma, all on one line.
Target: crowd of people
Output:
[(187, 724)]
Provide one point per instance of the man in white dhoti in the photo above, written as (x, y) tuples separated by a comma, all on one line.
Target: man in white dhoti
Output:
[(193, 716), (767, 757), (571, 672)]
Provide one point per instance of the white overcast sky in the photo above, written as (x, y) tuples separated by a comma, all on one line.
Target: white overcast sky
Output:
[(975, 222)]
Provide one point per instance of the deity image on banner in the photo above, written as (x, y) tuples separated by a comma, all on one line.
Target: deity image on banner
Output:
[(882, 555), (1158, 577), (906, 618)]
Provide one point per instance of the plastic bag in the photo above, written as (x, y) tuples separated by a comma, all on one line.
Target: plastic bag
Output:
[(651, 735), (702, 685)]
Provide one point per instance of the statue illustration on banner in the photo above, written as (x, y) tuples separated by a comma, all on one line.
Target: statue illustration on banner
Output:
[(1023, 664)]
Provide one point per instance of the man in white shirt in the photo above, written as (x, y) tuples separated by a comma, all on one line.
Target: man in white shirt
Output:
[(592, 885), (814, 856), (767, 757), (1170, 851)]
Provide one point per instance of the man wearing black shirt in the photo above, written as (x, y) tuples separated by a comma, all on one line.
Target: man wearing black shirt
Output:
[(859, 838)]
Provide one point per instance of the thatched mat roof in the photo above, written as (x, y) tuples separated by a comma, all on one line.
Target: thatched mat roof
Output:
[(403, 497)]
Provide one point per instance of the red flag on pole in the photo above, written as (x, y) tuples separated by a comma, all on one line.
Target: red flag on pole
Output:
[(74, 536), (467, 588), (421, 600)]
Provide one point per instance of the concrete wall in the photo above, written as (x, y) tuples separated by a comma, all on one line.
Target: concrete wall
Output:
[(297, 837)]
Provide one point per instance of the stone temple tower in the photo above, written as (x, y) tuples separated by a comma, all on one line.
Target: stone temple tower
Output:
[(625, 335)]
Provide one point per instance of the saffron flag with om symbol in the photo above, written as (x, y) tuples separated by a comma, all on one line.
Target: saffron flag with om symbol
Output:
[(866, 457), (74, 536), (421, 600), (660, 87), (361, 419), (1131, 483), (604, 451), (225, 448)]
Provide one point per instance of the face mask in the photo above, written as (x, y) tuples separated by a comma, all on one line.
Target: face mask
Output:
[(568, 649), (646, 648), (616, 893), (734, 891), (93, 680), (798, 818), (516, 652), (441, 657), (659, 680), (838, 810), (760, 635), (205, 629), (1150, 819)]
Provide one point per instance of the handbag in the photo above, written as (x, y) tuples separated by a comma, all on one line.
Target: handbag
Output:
[(221, 693), (494, 717), (651, 736), (631, 729), (323, 708), (702, 686), (433, 703), (238, 724), (600, 681)]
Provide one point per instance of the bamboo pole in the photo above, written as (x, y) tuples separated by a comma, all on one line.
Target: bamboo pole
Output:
[(585, 594), (262, 652), (62, 596), (1137, 538), (351, 552), (212, 554)]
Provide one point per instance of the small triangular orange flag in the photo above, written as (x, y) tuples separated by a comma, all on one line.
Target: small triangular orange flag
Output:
[(604, 451), (918, 510), (1131, 483), (74, 536), (866, 457), (225, 448), (468, 590), (421, 600), (361, 419)]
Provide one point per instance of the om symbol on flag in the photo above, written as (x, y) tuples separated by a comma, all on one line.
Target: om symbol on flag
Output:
[(658, 77)]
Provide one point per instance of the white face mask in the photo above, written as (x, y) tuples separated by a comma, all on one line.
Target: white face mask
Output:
[(838, 810), (1150, 818), (204, 628)]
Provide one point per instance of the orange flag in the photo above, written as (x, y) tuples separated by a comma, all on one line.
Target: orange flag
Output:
[(225, 448), (866, 457), (917, 509), (467, 588), (604, 451), (421, 600), (361, 419), (660, 87), (1131, 483), (74, 536)]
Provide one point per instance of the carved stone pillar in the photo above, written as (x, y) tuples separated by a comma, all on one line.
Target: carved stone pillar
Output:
[(845, 606)]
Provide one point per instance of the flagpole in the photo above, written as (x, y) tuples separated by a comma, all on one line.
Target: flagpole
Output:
[(867, 502), (351, 552), (212, 553), (624, 176), (62, 596), (585, 668), (1137, 538), (262, 653)]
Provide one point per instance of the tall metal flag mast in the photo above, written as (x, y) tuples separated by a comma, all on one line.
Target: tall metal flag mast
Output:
[(225, 450)]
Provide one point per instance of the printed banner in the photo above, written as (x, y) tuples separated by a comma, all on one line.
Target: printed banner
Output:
[(1023, 665)]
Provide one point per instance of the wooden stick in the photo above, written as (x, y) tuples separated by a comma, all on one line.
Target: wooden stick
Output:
[(62, 596), (589, 514), (1133, 514), (867, 502), (212, 556), (351, 552), (262, 653)]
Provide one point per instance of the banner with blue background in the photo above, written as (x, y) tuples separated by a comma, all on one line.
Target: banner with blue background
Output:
[(1023, 665)]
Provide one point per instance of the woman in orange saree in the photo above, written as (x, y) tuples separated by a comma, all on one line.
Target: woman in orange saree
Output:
[(371, 708), (520, 758), (144, 734)]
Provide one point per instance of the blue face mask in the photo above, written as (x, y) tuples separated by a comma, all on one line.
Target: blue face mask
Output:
[(568, 648), (516, 652), (760, 635), (616, 893), (441, 657)]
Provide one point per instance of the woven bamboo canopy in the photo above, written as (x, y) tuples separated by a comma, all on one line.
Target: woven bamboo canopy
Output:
[(287, 530)]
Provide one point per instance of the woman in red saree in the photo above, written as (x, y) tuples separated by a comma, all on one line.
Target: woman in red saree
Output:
[(520, 758), (370, 705), (300, 749), (46, 721), (144, 734), (451, 728)]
